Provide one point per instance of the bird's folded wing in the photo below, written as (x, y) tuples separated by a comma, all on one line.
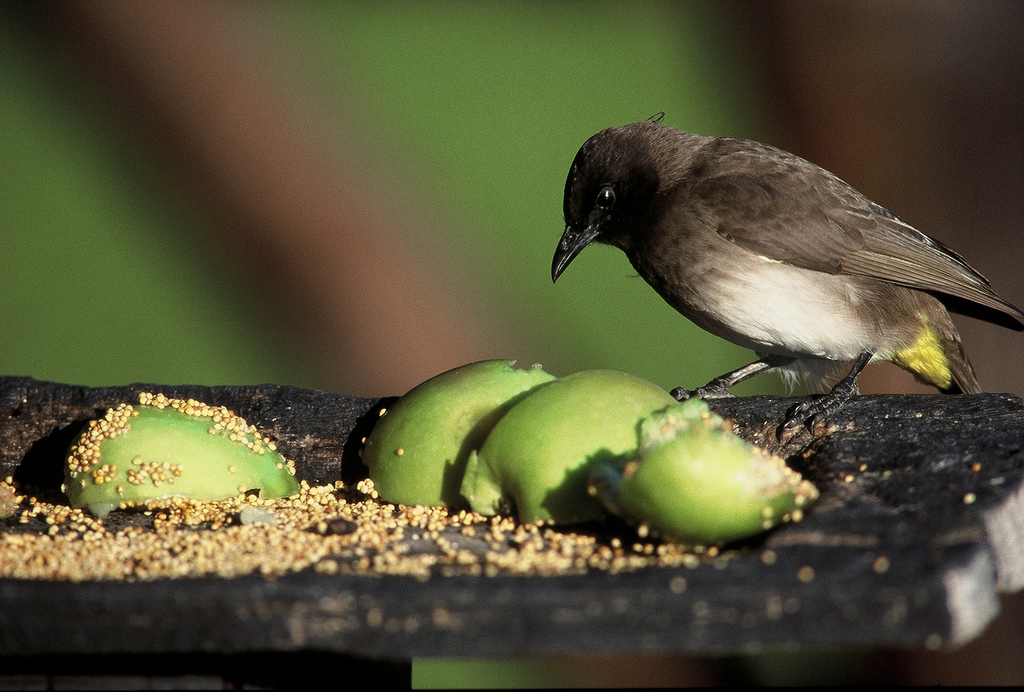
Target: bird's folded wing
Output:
[(787, 210), (896, 252)]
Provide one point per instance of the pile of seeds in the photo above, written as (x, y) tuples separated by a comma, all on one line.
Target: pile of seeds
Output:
[(333, 529)]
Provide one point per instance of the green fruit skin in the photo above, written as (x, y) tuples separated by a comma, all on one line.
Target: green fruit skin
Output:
[(212, 466), (706, 486), (436, 425), (539, 454)]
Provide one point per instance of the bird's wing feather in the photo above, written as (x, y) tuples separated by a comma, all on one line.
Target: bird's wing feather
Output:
[(814, 220), (896, 252), (775, 205)]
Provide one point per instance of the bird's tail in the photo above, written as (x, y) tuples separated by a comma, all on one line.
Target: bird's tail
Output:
[(962, 374)]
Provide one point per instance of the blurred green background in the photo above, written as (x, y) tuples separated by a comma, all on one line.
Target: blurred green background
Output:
[(357, 196), (467, 117)]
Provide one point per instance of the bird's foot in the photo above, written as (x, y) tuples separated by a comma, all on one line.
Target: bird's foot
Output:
[(712, 390), (820, 408), (816, 410)]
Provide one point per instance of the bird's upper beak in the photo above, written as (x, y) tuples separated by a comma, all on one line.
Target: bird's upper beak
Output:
[(572, 243)]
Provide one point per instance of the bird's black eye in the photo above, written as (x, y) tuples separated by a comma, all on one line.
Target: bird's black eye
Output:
[(605, 198)]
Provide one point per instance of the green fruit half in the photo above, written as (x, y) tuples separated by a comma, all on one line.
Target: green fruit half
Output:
[(165, 447), (539, 454), (694, 481), (417, 451)]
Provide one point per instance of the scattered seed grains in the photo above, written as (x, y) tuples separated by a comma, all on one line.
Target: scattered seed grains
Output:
[(332, 529)]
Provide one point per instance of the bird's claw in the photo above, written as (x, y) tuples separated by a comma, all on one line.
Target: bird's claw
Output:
[(806, 412), (680, 394), (814, 413), (708, 391)]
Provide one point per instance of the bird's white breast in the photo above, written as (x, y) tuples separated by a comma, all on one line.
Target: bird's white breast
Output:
[(772, 307)]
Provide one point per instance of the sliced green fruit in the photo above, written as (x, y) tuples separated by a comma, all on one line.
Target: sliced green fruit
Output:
[(165, 447), (417, 451)]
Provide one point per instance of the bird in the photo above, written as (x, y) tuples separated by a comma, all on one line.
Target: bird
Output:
[(776, 254)]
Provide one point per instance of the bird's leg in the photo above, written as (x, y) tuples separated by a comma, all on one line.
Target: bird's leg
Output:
[(834, 400), (718, 388)]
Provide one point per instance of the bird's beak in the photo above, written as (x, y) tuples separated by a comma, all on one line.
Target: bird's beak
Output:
[(571, 244)]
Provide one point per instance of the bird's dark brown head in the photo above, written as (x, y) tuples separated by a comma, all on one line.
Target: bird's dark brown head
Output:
[(612, 184)]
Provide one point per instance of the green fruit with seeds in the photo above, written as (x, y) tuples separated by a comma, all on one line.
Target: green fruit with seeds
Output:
[(164, 447), (692, 480)]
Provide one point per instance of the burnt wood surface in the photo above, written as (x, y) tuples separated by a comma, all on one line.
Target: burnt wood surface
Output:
[(919, 527)]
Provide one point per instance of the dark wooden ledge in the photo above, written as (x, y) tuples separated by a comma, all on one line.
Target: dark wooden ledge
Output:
[(920, 526)]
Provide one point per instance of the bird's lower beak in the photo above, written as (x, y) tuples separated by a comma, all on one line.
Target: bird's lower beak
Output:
[(571, 244)]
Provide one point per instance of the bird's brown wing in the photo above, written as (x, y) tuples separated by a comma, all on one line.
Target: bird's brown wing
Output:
[(895, 251), (775, 205), (784, 208)]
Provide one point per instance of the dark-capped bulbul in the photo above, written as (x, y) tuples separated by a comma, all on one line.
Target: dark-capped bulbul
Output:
[(776, 254)]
